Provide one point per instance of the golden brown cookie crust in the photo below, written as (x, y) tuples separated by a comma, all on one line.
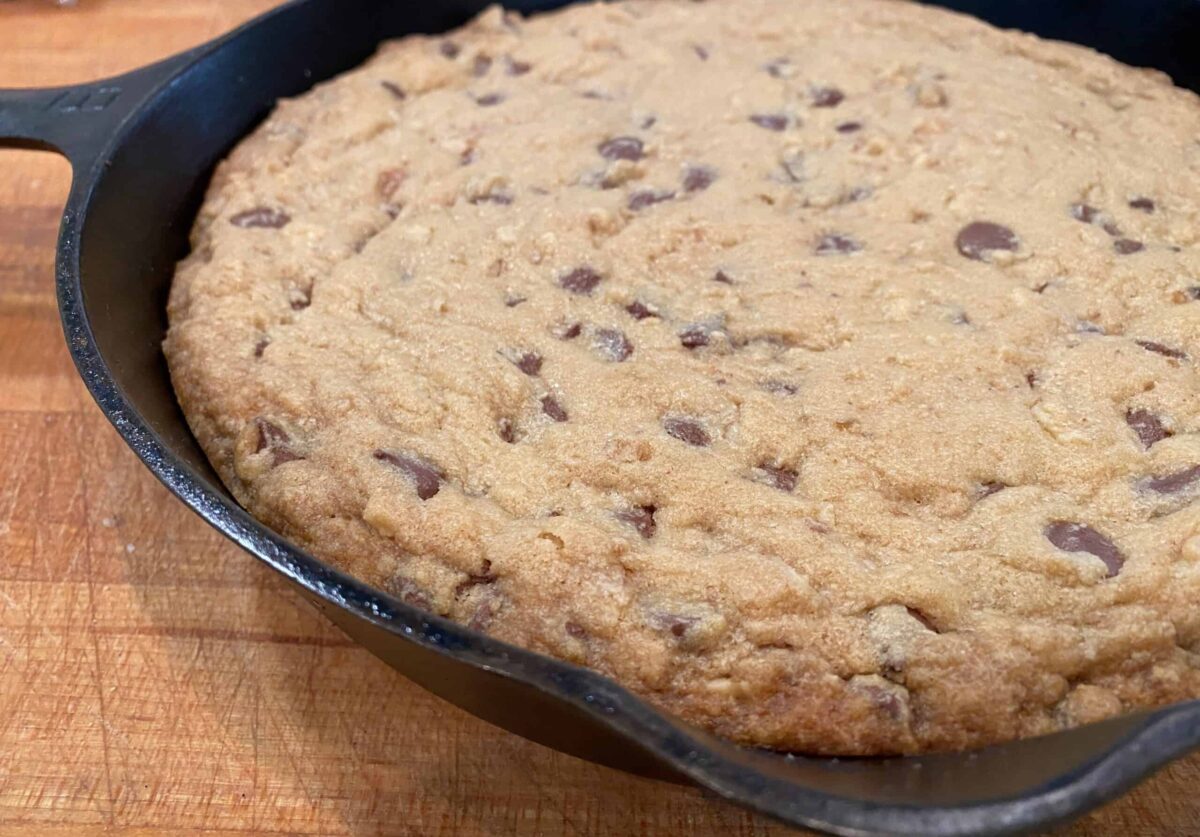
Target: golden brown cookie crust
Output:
[(823, 371)]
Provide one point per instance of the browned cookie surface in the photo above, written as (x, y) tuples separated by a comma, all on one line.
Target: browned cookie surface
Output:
[(823, 371)]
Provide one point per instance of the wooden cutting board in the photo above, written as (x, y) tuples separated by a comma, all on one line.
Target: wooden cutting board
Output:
[(154, 679)]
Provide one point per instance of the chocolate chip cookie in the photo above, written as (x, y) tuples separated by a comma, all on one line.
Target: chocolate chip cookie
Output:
[(825, 372)]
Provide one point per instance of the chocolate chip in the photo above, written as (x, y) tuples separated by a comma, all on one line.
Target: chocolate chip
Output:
[(1160, 349), (676, 624), (274, 438), (979, 237), (568, 331), (301, 300), (1079, 537), (1175, 483), (694, 336), (697, 178), (849, 127), (987, 489), (613, 344), (700, 51), (1193, 292), (836, 244), (449, 49), (517, 68), (1031, 378), (1127, 246), (489, 100), (827, 97), (262, 216), (648, 122), (779, 68), (261, 346), (640, 518), (780, 387), (396, 90), (1144, 204), (1083, 212), (622, 148), (722, 277), (640, 311), (426, 478), (1149, 428), (512, 300), (1111, 228), (643, 198), (575, 630), (582, 280), (388, 181), (779, 476), (530, 363), (553, 409), (409, 593), (506, 429), (687, 430), (481, 65), (770, 121)]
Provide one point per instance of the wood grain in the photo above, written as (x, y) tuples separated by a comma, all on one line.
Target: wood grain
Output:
[(154, 679)]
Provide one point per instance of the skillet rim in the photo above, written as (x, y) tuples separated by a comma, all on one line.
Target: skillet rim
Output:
[(1165, 734)]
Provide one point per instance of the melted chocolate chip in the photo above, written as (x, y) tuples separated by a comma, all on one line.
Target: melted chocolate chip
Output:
[(1083, 212), (777, 68), (694, 336), (261, 216), (849, 127), (506, 429), (553, 409), (489, 100), (979, 237), (1127, 246), (987, 489), (1193, 292), (770, 121), (261, 346), (582, 280), (396, 90), (687, 430), (722, 277), (836, 244), (512, 301), (613, 344), (827, 97), (481, 65), (449, 49), (1079, 537), (1160, 349), (622, 148), (698, 178), (1144, 204), (778, 476), (678, 625), (639, 311), (640, 518), (426, 478), (482, 618), (575, 630), (530, 363), (389, 181), (1175, 483), (274, 438), (1149, 428), (643, 198), (568, 331), (517, 68)]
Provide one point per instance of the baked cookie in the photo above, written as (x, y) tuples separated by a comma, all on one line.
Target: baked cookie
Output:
[(824, 372)]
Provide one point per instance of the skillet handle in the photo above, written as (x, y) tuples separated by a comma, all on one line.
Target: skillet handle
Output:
[(78, 121)]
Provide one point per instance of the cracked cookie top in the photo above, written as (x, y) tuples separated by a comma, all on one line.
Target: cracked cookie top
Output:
[(824, 372)]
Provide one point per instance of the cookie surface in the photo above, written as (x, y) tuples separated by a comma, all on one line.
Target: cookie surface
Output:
[(823, 371)]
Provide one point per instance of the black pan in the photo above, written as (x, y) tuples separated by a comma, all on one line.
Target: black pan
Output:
[(143, 146)]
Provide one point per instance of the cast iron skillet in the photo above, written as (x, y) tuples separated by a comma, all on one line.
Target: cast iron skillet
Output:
[(142, 147)]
